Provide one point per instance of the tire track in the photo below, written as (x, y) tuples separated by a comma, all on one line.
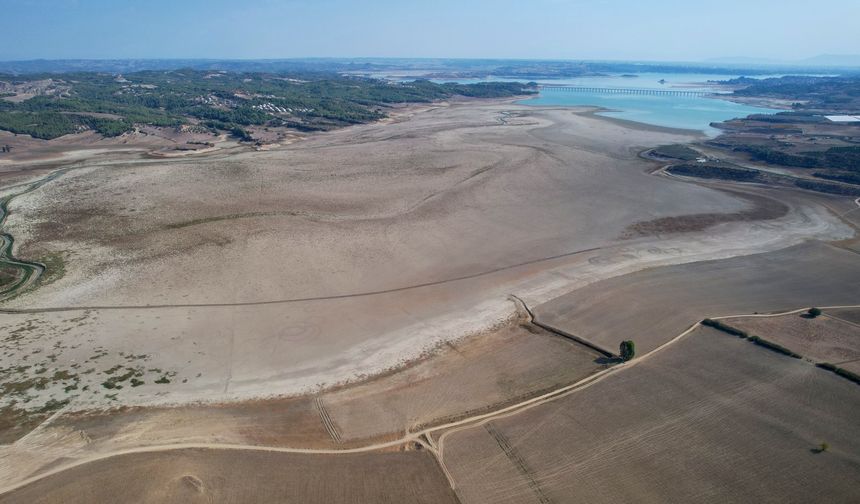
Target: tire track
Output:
[(327, 421), (514, 456)]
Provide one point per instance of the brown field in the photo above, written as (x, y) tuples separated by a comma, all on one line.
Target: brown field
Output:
[(652, 306), (477, 375), (851, 315), (711, 418), (822, 339), (195, 475)]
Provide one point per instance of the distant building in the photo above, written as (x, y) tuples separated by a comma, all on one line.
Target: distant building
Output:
[(843, 118)]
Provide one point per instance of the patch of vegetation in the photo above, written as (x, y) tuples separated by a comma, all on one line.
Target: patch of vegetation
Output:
[(677, 151), (835, 158), (773, 346), (840, 371), (714, 171), (627, 350), (163, 380), (227, 102), (848, 178), (22, 386), (115, 382), (813, 312), (55, 268), (808, 93), (827, 188)]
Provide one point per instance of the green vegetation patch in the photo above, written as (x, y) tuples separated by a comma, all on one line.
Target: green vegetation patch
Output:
[(116, 381), (715, 171), (677, 151), (308, 101)]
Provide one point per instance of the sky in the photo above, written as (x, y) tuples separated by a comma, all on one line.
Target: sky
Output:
[(654, 30)]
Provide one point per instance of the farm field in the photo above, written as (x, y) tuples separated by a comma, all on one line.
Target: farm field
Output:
[(652, 305), (825, 338), (851, 315), (711, 418), (194, 475), (475, 376)]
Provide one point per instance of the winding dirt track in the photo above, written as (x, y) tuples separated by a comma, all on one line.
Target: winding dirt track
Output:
[(29, 271), (422, 437)]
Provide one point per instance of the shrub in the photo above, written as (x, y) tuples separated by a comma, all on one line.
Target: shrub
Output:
[(716, 324), (627, 350), (773, 346), (814, 312), (844, 373)]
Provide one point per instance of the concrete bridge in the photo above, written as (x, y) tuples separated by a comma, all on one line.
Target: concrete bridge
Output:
[(627, 91)]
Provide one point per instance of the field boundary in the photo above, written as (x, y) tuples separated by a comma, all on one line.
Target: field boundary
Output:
[(752, 338), (327, 422), (560, 332)]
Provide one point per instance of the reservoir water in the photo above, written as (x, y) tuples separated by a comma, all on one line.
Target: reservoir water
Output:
[(686, 112), (695, 113)]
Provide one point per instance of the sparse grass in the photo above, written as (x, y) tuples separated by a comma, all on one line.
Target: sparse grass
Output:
[(55, 268)]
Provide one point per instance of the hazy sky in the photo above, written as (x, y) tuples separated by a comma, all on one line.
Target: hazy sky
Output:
[(565, 29)]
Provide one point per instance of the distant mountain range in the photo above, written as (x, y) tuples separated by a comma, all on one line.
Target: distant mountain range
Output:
[(822, 60), (445, 68)]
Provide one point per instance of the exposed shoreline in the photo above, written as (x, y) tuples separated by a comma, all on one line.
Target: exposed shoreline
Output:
[(485, 304)]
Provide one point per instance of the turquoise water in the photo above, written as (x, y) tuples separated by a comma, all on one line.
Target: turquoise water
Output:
[(696, 113)]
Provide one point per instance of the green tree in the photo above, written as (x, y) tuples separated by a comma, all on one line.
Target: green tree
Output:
[(627, 350), (814, 312)]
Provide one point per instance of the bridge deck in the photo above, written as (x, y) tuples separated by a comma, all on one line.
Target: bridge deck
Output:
[(631, 91)]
